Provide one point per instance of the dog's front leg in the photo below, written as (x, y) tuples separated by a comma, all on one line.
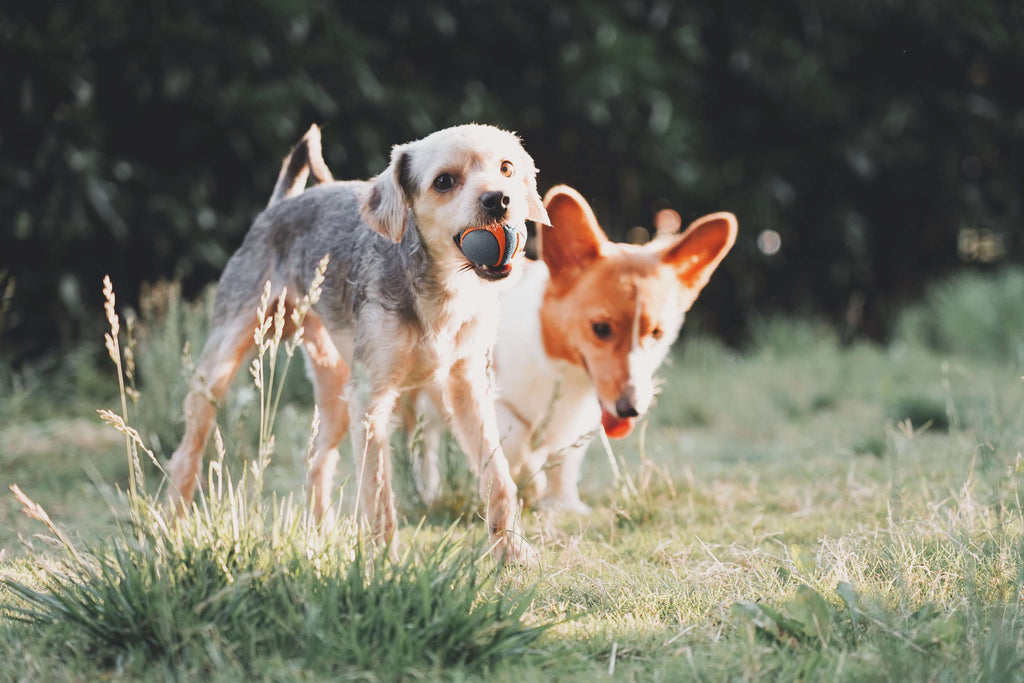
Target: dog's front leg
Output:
[(379, 370), (469, 399), (424, 427), (370, 412), (563, 480)]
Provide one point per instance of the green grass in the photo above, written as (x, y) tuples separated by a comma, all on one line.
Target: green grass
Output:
[(227, 589), (800, 510)]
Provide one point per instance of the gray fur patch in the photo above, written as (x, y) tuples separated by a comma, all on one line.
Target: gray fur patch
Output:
[(287, 241)]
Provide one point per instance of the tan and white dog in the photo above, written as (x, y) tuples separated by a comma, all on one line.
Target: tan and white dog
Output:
[(580, 339), (402, 307)]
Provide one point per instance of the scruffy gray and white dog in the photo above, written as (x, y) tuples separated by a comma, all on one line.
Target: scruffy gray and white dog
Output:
[(401, 307)]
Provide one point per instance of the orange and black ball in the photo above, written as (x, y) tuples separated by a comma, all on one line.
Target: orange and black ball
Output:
[(493, 246)]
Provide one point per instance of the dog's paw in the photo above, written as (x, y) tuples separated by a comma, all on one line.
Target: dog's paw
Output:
[(512, 548), (533, 490), (395, 549), (574, 505)]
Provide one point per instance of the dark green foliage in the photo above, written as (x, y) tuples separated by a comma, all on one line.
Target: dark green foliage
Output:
[(139, 139), (807, 618), (970, 313), (921, 410)]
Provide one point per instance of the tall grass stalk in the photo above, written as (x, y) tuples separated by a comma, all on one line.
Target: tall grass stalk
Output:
[(267, 337), (113, 345)]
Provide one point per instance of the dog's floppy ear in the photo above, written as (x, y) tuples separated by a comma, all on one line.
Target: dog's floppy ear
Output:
[(699, 250), (571, 238), (386, 206)]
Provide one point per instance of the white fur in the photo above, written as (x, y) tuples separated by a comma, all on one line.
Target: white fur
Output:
[(545, 405), (645, 358), (556, 398)]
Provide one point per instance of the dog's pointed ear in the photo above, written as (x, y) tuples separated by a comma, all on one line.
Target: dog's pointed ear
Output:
[(667, 223), (697, 252), (385, 207), (571, 238)]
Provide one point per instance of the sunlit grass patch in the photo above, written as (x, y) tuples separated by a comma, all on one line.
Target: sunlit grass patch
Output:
[(232, 585), (246, 577)]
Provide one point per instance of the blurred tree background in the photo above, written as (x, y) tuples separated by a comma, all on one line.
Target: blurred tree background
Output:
[(866, 146)]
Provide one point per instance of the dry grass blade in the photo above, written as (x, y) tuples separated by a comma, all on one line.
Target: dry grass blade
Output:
[(36, 512), (113, 345), (118, 423)]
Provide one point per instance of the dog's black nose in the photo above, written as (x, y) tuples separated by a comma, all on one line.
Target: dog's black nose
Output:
[(625, 408), (495, 203)]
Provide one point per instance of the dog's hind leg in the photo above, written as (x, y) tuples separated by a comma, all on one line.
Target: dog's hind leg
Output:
[(469, 399), (330, 374), (226, 349)]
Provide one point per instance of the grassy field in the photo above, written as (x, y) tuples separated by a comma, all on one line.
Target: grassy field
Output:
[(799, 509)]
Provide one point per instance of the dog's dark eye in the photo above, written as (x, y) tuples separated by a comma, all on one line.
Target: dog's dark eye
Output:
[(601, 330), (656, 333), (444, 182), (507, 169)]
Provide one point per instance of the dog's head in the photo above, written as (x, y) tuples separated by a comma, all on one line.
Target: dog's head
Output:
[(453, 182), (615, 309)]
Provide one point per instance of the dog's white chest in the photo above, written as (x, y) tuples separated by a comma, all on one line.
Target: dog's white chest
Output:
[(555, 397), (464, 324)]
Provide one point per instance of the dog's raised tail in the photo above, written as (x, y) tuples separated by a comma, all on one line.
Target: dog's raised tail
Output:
[(305, 158)]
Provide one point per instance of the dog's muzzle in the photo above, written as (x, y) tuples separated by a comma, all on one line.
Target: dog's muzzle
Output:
[(490, 249)]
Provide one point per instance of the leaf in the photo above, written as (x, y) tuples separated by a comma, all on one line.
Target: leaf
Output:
[(849, 595), (812, 612), (755, 614), (788, 625), (769, 621)]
